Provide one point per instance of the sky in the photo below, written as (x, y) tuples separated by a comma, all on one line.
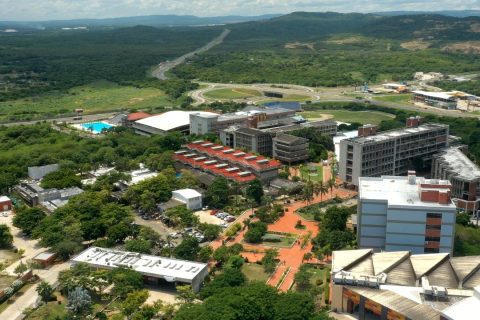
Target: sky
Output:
[(73, 9)]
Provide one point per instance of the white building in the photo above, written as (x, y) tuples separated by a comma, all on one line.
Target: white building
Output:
[(154, 269), (192, 198), (406, 213), (165, 122)]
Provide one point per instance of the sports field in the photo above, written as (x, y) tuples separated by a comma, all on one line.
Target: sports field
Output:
[(364, 117), (95, 97)]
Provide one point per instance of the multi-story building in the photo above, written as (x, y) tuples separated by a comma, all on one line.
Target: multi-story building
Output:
[(205, 123), (290, 149), (250, 139), (452, 164), (233, 164), (405, 213), (327, 127), (390, 152)]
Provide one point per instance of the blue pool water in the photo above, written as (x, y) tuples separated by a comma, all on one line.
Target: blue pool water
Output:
[(96, 127)]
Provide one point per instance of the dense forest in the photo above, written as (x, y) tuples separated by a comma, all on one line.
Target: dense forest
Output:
[(36, 62)]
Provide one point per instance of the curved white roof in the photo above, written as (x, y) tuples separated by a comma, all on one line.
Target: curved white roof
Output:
[(171, 120), (188, 193)]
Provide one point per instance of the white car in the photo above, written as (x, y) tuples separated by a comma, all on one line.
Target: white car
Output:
[(173, 235), (5, 214)]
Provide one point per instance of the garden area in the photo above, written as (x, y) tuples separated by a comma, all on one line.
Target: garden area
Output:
[(254, 272), (311, 173)]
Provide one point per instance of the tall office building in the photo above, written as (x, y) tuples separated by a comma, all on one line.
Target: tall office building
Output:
[(373, 154)]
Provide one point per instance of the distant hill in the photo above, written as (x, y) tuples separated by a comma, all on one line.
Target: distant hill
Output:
[(153, 21), (450, 13)]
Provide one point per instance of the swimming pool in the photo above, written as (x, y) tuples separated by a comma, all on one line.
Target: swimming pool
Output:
[(96, 127)]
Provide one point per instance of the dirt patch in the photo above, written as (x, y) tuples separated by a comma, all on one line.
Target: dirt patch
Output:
[(135, 100), (468, 47), (206, 217), (475, 27), (350, 40), (300, 45), (415, 45)]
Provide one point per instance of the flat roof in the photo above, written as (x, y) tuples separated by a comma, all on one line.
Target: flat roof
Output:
[(398, 192), (459, 163), (44, 255), (188, 193), (465, 309), (171, 120), (394, 134), (4, 199), (154, 266)]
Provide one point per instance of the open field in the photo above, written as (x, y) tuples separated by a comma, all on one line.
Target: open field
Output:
[(95, 97), (233, 93), (364, 117), (49, 311), (254, 272)]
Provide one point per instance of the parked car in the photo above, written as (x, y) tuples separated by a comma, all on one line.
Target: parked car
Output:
[(174, 235), (230, 219)]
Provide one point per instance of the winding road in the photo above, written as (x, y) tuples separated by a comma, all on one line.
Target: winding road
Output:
[(165, 66)]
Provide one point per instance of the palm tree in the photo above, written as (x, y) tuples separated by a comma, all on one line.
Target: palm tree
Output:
[(308, 192), (320, 189), (331, 184), (45, 291)]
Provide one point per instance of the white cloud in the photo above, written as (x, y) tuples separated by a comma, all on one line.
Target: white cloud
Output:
[(69, 9)]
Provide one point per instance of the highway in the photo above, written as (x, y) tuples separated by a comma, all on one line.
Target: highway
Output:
[(163, 67)]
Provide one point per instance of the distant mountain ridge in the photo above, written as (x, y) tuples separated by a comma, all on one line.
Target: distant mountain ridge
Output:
[(448, 13), (153, 21)]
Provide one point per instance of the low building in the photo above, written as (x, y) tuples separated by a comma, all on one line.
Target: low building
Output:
[(405, 213), (155, 270), (135, 116), (5, 203), (327, 127), (233, 164), (166, 122), (452, 164), (401, 285), (45, 258), (190, 197), (37, 173), (290, 149), (396, 87), (33, 194)]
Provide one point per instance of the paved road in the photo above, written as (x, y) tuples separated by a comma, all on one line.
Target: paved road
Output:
[(163, 67), (85, 118), (31, 247)]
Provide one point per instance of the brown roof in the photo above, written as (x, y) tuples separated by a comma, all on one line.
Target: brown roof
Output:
[(138, 116)]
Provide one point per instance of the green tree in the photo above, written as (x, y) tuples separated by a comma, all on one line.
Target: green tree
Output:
[(79, 303), (230, 277), (294, 306), (28, 218), (255, 232), (185, 294), (269, 260), (125, 281), (302, 278), (119, 232), (20, 269), (320, 189), (133, 302), (188, 249), (210, 231), (235, 262), (205, 254), (60, 179), (138, 245), (335, 218), (255, 191), (6, 238), (45, 291), (217, 193)]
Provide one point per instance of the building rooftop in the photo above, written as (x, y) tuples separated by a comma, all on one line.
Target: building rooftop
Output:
[(250, 131), (397, 191), (188, 193), (459, 163), (171, 120), (4, 199), (394, 134), (465, 309), (138, 116), (154, 266), (452, 95), (459, 274), (290, 139)]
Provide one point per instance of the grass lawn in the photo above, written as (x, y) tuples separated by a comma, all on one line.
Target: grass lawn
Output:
[(234, 93), (7, 257), (49, 311), (285, 242), (306, 174), (363, 117), (254, 272), (398, 98), (6, 281), (95, 97)]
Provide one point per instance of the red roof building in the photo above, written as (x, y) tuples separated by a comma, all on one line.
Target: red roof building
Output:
[(135, 116), (232, 164)]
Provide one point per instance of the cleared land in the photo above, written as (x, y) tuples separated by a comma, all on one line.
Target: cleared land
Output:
[(235, 93), (96, 97), (399, 98), (364, 117)]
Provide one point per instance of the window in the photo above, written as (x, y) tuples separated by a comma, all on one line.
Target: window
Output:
[(435, 239), (434, 215), (431, 250)]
